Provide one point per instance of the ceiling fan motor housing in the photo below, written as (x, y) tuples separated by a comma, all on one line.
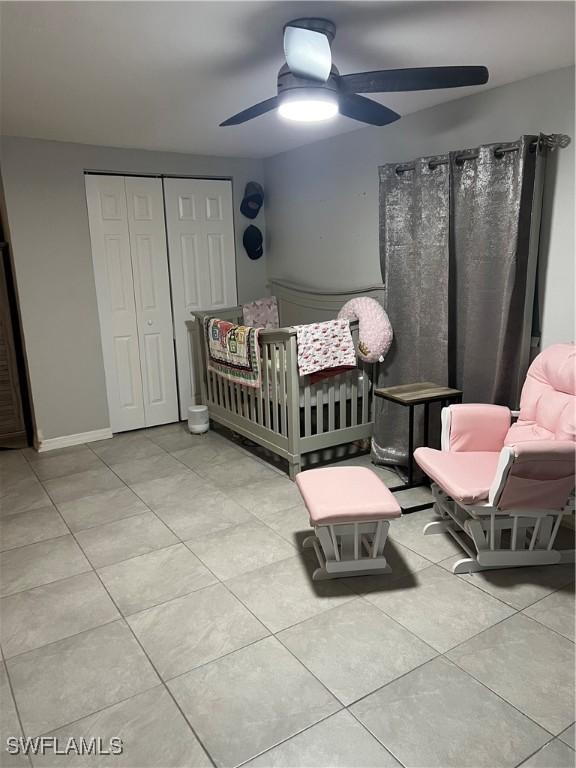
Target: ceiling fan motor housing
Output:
[(287, 81)]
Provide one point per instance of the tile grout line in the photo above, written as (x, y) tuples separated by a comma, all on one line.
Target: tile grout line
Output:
[(11, 690), (123, 619), (137, 640), (353, 596), (159, 676), (550, 629), (254, 642), (67, 637), (219, 581), (100, 709), (509, 703), (546, 744), (353, 714)]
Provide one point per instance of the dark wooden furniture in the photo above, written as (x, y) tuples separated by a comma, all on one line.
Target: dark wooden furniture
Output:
[(12, 417), (409, 396)]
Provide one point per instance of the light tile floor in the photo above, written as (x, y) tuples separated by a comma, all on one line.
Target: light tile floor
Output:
[(153, 588)]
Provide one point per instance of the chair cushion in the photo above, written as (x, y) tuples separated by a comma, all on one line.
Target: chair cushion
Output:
[(548, 402), (465, 476), (342, 494)]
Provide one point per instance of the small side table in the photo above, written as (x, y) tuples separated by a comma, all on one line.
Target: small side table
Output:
[(410, 395)]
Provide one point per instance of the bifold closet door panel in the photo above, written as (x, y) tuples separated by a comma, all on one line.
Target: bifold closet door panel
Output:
[(147, 231), (200, 226), (107, 214)]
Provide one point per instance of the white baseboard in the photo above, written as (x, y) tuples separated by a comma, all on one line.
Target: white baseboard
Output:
[(52, 443)]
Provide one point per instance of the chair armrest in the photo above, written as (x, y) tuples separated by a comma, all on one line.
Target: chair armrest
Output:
[(537, 474), (475, 427)]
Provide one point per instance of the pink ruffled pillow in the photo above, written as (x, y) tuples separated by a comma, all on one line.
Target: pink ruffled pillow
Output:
[(375, 332)]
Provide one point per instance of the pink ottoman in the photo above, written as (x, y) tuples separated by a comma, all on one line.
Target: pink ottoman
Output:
[(350, 510)]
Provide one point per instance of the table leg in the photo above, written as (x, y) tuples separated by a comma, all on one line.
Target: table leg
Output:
[(426, 423), (410, 444)]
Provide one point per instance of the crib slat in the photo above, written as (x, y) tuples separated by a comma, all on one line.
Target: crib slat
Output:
[(229, 394), (354, 399), (266, 385), (319, 410), (282, 380), (260, 393), (230, 391), (331, 407), (275, 372), (365, 398), (342, 405), (240, 399), (245, 403), (209, 385), (307, 411), (221, 399)]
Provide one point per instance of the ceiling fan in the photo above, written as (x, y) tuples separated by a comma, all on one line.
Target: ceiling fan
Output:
[(310, 88)]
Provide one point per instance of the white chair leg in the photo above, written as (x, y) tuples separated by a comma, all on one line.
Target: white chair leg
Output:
[(436, 526), (467, 565)]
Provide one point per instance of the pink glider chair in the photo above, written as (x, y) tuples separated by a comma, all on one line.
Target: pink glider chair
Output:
[(502, 488)]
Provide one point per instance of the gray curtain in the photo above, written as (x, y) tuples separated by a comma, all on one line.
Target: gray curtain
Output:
[(458, 240), (414, 237), (495, 224)]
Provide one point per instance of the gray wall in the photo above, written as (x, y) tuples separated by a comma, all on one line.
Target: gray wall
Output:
[(48, 224), (322, 199)]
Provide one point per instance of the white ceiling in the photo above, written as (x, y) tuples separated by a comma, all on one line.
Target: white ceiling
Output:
[(162, 75)]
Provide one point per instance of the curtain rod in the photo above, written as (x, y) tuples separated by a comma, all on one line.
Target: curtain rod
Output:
[(552, 142)]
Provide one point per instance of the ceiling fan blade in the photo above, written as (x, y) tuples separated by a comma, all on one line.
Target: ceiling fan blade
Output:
[(366, 110), (307, 53), (414, 79), (255, 111)]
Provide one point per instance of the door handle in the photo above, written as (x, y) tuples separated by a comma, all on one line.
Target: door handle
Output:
[(150, 322)]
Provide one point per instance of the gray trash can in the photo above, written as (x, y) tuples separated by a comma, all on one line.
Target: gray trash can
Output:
[(198, 421)]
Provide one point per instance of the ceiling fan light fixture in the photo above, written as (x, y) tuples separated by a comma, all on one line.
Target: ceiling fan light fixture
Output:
[(308, 105)]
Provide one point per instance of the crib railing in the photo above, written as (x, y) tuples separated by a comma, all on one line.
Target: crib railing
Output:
[(332, 412)]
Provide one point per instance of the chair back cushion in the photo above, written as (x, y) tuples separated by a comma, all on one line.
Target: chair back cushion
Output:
[(548, 401)]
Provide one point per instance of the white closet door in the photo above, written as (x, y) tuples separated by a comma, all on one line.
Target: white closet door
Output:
[(108, 219), (200, 226), (152, 291)]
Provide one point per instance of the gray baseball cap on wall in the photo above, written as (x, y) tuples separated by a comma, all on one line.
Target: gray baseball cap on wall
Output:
[(253, 199)]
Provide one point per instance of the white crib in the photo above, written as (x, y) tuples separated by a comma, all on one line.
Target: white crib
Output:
[(288, 415)]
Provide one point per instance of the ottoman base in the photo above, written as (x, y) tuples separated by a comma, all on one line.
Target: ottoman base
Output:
[(350, 509), (353, 550)]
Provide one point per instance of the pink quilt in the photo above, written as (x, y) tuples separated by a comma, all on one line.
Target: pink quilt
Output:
[(322, 346), (262, 313)]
